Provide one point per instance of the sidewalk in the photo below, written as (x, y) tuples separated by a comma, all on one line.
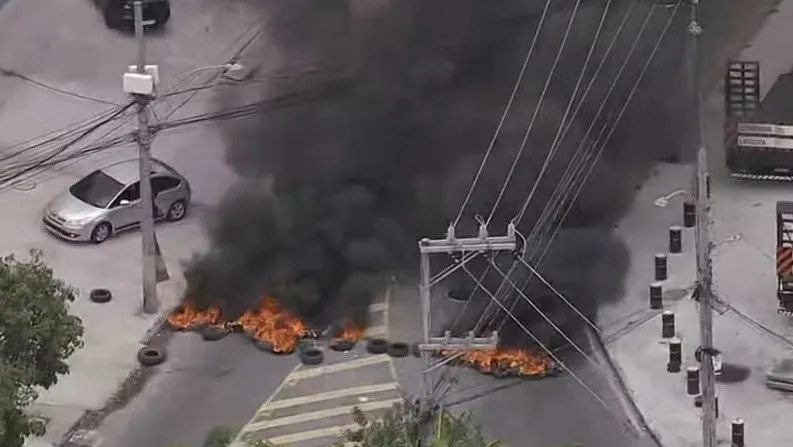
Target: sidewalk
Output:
[(115, 330), (748, 331)]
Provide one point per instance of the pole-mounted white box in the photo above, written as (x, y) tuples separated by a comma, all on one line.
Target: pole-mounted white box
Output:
[(141, 83)]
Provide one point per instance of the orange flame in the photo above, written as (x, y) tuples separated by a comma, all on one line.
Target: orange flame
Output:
[(509, 361), (189, 317), (268, 323), (350, 333)]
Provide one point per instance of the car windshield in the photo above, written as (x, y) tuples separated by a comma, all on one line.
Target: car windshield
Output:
[(97, 189)]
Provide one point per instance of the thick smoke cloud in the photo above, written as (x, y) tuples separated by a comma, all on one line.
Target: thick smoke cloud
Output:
[(337, 191)]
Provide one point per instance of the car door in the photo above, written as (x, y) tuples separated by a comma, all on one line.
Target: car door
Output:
[(165, 189), (125, 209)]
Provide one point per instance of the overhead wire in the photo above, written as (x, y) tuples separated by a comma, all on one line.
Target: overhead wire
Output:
[(488, 314), (507, 108), (574, 161), (556, 141), (600, 145), (14, 74), (536, 111), (552, 355)]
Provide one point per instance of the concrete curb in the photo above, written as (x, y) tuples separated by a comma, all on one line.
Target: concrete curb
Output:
[(92, 419), (618, 376)]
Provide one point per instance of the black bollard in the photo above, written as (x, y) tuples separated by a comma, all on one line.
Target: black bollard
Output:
[(661, 271), (689, 214), (675, 239), (656, 296), (675, 356), (668, 324), (737, 433), (692, 380)]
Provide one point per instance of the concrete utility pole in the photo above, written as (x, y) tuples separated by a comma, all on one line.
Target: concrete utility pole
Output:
[(150, 301), (703, 244), (468, 249)]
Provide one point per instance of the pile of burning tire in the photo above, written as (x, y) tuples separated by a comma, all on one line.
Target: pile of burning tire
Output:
[(505, 363), (271, 329)]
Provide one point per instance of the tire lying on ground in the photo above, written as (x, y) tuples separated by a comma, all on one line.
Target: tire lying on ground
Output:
[(311, 356), (377, 346), (249, 335), (100, 295), (213, 333), (398, 349), (264, 346), (149, 356), (342, 345)]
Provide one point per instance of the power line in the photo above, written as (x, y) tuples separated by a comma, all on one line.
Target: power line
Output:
[(14, 74), (507, 108), (556, 140), (216, 77), (598, 152), (536, 110), (549, 352), (573, 164)]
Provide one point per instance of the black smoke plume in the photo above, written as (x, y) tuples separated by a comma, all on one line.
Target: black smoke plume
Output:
[(336, 192)]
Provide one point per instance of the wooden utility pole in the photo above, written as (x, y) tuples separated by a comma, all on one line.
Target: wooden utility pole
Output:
[(150, 301), (703, 243)]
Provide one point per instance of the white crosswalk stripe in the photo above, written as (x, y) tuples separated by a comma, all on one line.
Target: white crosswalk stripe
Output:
[(313, 405)]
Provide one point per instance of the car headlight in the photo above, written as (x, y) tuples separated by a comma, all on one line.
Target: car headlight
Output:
[(78, 222)]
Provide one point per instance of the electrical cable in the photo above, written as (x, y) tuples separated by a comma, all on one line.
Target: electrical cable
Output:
[(489, 311), (573, 164), (536, 112), (14, 74), (82, 135), (602, 144), (551, 354), (546, 317), (556, 141), (507, 108), (216, 77)]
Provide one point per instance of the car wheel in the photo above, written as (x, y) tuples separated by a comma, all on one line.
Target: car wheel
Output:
[(101, 233), (113, 15), (176, 211)]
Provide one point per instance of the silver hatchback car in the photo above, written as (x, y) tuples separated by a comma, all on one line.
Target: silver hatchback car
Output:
[(107, 201)]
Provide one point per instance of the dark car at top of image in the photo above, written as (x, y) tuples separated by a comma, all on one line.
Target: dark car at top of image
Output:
[(107, 201), (121, 13)]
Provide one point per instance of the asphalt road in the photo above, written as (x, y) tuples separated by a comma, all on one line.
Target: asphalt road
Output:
[(223, 383), (203, 385)]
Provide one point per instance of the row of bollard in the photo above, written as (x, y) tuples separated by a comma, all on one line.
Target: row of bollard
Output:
[(668, 320)]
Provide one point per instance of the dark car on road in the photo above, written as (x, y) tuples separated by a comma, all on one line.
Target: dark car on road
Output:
[(120, 13)]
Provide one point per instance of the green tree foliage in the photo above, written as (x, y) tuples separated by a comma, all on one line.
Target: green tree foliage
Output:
[(399, 427), (37, 336)]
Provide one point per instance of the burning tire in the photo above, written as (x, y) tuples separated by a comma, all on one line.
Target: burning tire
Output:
[(398, 349), (149, 356), (311, 356), (100, 295), (499, 373), (249, 335), (414, 349), (264, 346), (377, 346), (342, 345), (213, 333)]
